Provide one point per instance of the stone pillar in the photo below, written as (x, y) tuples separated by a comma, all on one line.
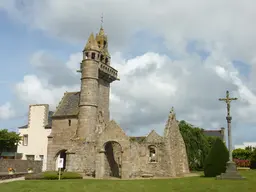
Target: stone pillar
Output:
[(100, 164)]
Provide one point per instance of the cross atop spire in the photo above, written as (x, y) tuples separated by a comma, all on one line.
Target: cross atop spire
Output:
[(101, 20)]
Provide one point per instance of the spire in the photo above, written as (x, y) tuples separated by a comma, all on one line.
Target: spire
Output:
[(91, 44), (172, 114)]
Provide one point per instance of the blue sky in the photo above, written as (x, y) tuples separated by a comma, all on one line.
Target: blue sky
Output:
[(160, 48)]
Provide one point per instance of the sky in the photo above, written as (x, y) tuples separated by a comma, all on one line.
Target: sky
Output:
[(168, 53)]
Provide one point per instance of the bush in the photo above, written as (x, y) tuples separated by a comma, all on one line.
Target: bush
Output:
[(253, 160), (242, 154), (216, 161), (53, 175), (242, 163)]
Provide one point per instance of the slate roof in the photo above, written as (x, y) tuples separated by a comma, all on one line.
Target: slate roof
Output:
[(49, 124), (213, 133), (69, 105)]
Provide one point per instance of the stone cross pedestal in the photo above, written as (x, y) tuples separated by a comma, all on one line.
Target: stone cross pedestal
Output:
[(231, 171)]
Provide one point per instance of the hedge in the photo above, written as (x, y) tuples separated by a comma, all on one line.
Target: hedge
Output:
[(53, 175), (215, 163)]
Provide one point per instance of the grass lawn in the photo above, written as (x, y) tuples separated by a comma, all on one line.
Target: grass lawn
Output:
[(188, 184)]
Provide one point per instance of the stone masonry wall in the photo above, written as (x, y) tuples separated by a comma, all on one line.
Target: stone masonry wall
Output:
[(59, 139), (20, 165), (141, 164)]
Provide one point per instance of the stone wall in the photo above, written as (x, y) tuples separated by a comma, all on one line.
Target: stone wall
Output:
[(20, 165)]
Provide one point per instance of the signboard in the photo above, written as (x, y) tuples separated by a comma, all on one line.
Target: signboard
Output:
[(60, 163)]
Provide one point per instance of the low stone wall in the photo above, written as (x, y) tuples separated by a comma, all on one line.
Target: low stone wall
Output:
[(20, 166), (7, 176)]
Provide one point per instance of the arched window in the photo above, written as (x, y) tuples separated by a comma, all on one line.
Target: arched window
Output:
[(152, 154), (106, 60), (86, 55), (93, 55)]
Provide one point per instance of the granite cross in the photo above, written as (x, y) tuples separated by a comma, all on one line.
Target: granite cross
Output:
[(229, 118)]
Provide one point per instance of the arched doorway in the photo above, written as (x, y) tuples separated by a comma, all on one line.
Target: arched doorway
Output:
[(113, 159), (61, 154)]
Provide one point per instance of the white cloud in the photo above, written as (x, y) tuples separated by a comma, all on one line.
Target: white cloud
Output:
[(151, 83), (52, 79), (6, 111), (229, 22)]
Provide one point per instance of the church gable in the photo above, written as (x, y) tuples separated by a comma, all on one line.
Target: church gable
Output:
[(68, 106), (113, 132), (153, 137)]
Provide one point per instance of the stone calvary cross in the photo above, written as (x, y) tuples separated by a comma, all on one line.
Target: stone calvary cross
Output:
[(229, 118), (231, 171)]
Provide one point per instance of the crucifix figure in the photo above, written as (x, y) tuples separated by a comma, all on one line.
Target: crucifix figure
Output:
[(228, 101), (229, 118)]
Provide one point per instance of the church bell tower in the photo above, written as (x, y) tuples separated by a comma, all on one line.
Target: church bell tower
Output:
[(96, 76)]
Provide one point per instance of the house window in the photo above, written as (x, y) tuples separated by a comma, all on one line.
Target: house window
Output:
[(25, 140), (30, 157), (69, 122), (152, 154), (41, 157)]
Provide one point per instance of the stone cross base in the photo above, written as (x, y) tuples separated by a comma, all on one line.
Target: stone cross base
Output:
[(231, 173)]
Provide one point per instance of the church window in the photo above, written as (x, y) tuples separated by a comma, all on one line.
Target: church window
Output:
[(69, 122), (86, 55), (93, 55), (105, 43), (152, 154), (106, 60)]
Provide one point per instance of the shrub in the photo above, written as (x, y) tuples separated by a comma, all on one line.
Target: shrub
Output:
[(215, 163), (253, 160), (53, 175), (242, 163), (243, 154)]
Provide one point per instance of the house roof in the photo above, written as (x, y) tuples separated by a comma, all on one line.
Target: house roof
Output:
[(213, 133), (69, 105)]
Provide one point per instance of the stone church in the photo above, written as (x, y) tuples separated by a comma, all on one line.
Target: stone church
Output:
[(83, 135)]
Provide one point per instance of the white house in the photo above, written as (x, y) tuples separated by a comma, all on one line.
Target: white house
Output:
[(34, 135), (245, 144)]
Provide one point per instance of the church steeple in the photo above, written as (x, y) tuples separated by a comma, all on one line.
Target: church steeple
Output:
[(91, 44), (102, 41)]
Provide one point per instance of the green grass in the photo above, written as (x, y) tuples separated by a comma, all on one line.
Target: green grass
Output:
[(188, 184)]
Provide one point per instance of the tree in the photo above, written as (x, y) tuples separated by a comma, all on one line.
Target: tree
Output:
[(253, 160), (242, 154), (8, 140), (196, 143), (211, 140), (216, 161)]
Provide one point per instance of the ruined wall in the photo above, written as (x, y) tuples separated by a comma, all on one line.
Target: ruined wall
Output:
[(20, 165), (59, 139), (140, 160), (175, 147)]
